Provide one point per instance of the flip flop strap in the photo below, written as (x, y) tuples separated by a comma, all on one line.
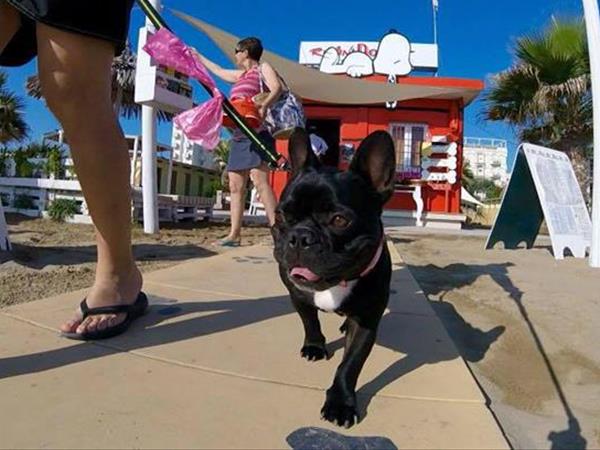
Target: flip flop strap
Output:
[(113, 309)]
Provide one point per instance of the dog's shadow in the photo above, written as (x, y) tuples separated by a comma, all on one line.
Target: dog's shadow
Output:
[(420, 348)]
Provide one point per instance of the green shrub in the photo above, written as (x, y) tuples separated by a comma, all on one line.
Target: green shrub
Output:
[(54, 162), (4, 156), (23, 168), (62, 209), (213, 186)]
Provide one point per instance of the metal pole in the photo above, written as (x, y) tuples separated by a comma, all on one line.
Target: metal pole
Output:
[(134, 160), (170, 175), (149, 185), (592, 21), (435, 32)]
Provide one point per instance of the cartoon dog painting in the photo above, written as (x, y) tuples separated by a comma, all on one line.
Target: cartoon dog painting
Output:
[(392, 59)]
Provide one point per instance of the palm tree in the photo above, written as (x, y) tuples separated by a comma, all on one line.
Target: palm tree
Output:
[(546, 94), (123, 84), (467, 176), (221, 156), (13, 127)]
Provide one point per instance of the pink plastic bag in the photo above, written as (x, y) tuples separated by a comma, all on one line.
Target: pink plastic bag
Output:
[(202, 123)]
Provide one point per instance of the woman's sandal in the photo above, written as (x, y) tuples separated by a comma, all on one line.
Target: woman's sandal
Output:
[(227, 243), (133, 311)]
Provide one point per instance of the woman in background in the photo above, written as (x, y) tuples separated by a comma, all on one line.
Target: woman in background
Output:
[(244, 159)]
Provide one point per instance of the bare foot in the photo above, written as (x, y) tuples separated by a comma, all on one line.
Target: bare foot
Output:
[(106, 292)]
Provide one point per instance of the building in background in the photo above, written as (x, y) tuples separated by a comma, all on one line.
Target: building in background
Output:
[(185, 191), (487, 158), (353, 88), (425, 122), (188, 152)]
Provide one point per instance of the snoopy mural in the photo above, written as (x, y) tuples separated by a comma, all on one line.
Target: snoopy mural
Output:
[(393, 56)]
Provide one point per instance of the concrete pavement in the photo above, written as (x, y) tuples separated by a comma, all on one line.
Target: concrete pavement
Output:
[(215, 364)]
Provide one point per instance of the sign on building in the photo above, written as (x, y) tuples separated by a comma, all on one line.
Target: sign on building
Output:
[(394, 54), (543, 186)]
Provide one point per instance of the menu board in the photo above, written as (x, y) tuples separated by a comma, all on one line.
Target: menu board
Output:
[(543, 186)]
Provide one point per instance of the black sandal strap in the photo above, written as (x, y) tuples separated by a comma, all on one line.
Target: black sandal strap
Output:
[(113, 309)]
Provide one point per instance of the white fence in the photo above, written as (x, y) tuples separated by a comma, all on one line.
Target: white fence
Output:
[(31, 196)]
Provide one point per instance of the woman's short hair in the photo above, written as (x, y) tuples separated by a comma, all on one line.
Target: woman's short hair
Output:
[(253, 46)]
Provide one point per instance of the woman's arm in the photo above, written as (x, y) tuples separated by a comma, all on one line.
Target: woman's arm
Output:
[(231, 76), (273, 83)]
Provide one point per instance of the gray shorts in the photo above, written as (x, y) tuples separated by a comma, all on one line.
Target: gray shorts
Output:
[(243, 154)]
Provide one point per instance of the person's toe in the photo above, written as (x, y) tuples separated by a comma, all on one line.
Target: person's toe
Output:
[(87, 326), (71, 325), (108, 321)]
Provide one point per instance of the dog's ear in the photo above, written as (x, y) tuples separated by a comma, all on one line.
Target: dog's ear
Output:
[(375, 161), (301, 154)]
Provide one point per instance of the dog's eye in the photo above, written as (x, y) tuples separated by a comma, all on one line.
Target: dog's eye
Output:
[(340, 222)]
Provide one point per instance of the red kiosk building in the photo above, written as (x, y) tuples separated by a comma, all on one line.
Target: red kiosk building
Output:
[(427, 131), (351, 89)]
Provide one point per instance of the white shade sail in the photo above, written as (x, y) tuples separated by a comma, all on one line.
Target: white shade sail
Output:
[(311, 84)]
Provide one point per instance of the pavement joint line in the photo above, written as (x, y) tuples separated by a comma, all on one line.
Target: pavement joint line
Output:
[(283, 383), (214, 371), (203, 291), (28, 321), (395, 254)]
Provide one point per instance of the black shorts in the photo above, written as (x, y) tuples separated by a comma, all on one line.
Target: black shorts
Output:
[(103, 19)]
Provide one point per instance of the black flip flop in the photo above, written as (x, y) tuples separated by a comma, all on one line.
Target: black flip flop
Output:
[(133, 311)]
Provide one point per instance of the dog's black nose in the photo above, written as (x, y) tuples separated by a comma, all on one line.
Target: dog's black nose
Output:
[(302, 238)]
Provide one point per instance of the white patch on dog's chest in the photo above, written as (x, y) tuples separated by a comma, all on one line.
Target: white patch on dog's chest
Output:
[(332, 298)]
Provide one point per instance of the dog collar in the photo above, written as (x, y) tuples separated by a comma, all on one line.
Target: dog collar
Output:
[(372, 264)]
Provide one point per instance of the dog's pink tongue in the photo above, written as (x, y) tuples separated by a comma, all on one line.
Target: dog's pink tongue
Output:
[(305, 273)]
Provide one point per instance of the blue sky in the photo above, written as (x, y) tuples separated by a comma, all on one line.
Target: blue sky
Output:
[(475, 38)]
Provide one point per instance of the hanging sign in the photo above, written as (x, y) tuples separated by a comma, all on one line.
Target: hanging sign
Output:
[(157, 85)]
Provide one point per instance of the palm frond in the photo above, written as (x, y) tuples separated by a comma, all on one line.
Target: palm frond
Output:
[(509, 98), (546, 94), (12, 123)]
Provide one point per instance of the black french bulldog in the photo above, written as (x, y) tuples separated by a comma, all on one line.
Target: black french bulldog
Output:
[(332, 256)]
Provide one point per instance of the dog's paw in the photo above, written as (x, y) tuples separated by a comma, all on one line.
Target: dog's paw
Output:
[(314, 352), (340, 412)]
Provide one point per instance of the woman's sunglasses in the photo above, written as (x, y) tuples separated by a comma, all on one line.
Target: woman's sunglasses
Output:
[(237, 50)]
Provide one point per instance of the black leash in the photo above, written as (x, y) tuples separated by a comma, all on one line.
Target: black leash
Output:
[(268, 154)]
